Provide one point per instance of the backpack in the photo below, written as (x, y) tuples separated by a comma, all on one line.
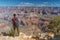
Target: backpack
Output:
[(15, 22)]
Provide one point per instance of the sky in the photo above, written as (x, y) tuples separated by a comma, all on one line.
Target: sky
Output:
[(49, 3)]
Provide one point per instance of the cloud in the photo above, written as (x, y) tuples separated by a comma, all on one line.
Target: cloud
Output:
[(43, 4), (25, 4), (48, 4), (31, 4)]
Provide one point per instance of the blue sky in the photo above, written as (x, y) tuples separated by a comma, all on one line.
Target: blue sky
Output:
[(52, 3)]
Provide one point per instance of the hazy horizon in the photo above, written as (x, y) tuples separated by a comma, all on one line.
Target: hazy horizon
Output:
[(38, 3)]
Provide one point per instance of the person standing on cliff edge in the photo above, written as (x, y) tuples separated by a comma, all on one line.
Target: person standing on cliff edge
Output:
[(15, 23)]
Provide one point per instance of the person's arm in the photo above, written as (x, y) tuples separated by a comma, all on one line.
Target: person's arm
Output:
[(12, 23)]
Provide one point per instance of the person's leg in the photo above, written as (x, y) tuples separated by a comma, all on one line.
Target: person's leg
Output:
[(18, 30), (14, 30)]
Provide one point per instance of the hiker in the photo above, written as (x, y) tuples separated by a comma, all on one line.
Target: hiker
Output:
[(15, 23)]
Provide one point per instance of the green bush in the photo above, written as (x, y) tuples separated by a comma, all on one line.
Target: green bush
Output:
[(54, 24), (11, 32)]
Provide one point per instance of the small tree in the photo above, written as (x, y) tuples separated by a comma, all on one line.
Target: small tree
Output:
[(55, 24)]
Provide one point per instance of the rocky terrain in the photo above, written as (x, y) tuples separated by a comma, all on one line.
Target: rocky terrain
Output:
[(26, 33), (20, 37), (29, 31)]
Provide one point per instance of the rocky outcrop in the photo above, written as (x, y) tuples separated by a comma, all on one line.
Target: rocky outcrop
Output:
[(23, 36)]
